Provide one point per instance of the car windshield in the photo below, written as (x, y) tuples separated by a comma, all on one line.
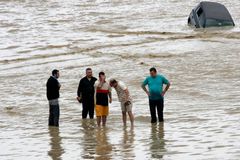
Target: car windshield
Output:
[(200, 16), (216, 22)]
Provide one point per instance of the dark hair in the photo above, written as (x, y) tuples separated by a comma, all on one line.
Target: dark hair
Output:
[(55, 71), (101, 73), (153, 69), (113, 81), (88, 69)]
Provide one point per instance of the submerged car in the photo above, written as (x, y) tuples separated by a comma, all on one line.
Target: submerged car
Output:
[(210, 14)]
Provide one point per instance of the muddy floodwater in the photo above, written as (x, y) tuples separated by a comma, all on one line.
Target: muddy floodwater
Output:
[(124, 38)]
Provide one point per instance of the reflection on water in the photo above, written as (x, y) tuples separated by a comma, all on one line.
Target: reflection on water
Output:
[(157, 144), (128, 143), (131, 36), (56, 150), (103, 147), (89, 139)]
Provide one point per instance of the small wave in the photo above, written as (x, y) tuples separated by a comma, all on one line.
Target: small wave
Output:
[(32, 57), (103, 22), (9, 108), (10, 47), (150, 55), (54, 46), (75, 50), (25, 51), (56, 21), (13, 111), (114, 35), (202, 34), (227, 35), (6, 24), (132, 32), (14, 30)]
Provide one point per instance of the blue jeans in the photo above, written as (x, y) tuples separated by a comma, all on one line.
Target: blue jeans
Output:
[(54, 113), (159, 105)]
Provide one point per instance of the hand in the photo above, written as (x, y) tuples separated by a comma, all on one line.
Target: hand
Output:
[(163, 93), (79, 99), (110, 100), (127, 103), (148, 94), (102, 78)]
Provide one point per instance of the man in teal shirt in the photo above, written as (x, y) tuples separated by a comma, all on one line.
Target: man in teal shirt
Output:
[(156, 93)]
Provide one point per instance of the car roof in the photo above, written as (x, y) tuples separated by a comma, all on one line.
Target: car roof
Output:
[(215, 10)]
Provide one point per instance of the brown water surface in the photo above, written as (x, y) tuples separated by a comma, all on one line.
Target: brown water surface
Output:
[(124, 38)]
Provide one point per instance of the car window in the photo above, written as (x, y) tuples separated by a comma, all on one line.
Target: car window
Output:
[(199, 12), (200, 16)]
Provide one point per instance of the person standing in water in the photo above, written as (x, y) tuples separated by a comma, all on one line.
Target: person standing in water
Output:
[(125, 100), (102, 93), (156, 93), (85, 94), (53, 87)]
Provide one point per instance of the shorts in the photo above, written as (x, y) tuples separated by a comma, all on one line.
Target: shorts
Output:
[(101, 110), (126, 108)]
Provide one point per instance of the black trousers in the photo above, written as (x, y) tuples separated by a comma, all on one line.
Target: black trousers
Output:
[(159, 105), (87, 108), (54, 114)]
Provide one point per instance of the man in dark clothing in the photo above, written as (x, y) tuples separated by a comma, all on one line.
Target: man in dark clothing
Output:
[(53, 87), (85, 94)]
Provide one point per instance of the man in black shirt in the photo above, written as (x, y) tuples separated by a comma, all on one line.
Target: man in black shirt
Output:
[(85, 94), (53, 87)]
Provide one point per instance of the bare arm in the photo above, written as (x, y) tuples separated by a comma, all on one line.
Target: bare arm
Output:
[(110, 96), (165, 89), (99, 86), (145, 89), (127, 95), (95, 95), (127, 92), (79, 92)]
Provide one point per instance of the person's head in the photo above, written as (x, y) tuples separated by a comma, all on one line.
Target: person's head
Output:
[(153, 72), (101, 75), (113, 83), (89, 72), (55, 73)]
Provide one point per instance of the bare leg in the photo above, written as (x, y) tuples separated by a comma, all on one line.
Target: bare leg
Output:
[(124, 118), (99, 121), (131, 117), (104, 120)]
